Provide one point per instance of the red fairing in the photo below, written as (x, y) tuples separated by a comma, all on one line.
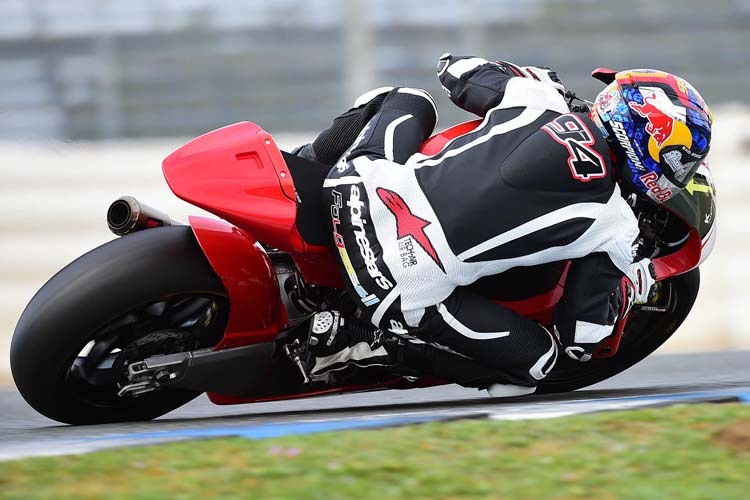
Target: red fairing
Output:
[(238, 173), (685, 259), (255, 313), (437, 142)]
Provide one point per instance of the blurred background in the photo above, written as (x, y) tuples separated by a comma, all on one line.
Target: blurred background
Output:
[(95, 93)]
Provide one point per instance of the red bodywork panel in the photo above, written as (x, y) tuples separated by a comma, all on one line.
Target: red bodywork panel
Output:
[(437, 142), (238, 173), (255, 311), (685, 259)]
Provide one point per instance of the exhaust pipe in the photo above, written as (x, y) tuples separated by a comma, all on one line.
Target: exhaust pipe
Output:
[(127, 215)]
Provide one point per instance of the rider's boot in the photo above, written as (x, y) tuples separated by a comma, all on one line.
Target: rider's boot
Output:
[(428, 360), (335, 343)]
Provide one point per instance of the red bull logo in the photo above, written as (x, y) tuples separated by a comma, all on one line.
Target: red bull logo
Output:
[(659, 125), (660, 112), (651, 181)]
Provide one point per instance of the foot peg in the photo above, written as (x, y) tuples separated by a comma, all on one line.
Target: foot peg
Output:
[(295, 352), (321, 334)]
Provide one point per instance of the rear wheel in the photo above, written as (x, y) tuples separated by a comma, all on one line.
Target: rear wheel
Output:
[(645, 332), (149, 293)]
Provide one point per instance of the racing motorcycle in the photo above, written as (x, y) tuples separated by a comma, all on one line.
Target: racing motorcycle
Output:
[(145, 323)]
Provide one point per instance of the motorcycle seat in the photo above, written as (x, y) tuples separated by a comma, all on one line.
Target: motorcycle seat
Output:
[(308, 176)]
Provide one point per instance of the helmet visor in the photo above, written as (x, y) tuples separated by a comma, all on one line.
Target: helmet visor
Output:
[(679, 164)]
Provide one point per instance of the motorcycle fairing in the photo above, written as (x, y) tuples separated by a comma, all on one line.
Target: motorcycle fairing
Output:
[(239, 174)]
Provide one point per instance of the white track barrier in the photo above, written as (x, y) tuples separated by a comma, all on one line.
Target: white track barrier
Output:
[(54, 197)]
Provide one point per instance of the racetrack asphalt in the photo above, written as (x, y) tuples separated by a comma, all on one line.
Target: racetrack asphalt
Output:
[(24, 432)]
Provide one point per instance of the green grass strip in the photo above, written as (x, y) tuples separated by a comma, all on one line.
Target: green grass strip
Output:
[(686, 451)]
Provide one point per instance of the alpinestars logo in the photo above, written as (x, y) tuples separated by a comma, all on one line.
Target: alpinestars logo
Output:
[(408, 224)]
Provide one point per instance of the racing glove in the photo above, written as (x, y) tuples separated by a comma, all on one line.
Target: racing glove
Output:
[(593, 299), (539, 73), (580, 348), (643, 277), (478, 85), (545, 75), (636, 288)]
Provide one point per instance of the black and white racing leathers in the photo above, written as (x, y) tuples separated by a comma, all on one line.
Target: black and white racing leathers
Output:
[(532, 184)]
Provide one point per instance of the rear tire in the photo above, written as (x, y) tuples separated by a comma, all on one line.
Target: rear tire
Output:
[(645, 332), (86, 298)]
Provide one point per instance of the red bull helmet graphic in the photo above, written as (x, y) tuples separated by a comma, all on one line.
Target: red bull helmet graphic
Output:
[(658, 127)]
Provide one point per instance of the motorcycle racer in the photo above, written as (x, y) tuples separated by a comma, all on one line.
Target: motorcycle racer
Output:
[(533, 183)]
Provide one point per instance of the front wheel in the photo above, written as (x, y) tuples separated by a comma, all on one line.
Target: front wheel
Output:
[(645, 332), (149, 293)]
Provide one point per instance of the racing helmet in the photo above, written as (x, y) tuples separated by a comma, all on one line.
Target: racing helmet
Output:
[(658, 128)]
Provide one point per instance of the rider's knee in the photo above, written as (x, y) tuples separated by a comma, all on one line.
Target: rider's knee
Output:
[(417, 102)]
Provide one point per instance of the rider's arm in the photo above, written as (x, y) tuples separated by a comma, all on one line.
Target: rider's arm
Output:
[(478, 85), (588, 310)]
